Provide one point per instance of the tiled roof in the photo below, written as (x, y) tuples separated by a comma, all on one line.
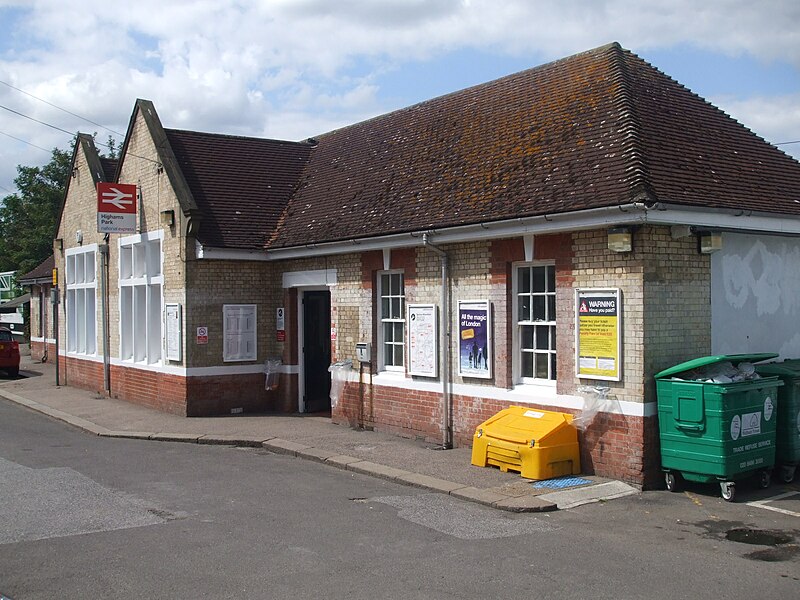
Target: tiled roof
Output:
[(597, 129), (697, 155), (109, 167), (42, 271), (241, 185)]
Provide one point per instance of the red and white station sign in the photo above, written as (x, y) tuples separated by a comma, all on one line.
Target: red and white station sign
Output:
[(116, 208)]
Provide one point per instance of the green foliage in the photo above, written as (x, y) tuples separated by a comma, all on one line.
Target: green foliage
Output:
[(112, 149), (28, 218)]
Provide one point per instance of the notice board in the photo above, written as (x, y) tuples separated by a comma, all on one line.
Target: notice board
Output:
[(598, 343), (173, 327), (423, 355)]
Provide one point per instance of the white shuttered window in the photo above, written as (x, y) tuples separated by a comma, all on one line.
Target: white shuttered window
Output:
[(81, 304), (239, 332), (141, 282)]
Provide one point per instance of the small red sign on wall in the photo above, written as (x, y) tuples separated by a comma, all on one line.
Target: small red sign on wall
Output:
[(202, 335)]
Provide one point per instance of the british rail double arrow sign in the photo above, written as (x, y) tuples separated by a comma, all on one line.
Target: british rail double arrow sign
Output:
[(116, 208)]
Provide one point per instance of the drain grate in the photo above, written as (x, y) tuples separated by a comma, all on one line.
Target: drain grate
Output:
[(560, 483)]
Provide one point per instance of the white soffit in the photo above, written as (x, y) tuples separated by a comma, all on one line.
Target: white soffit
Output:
[(309, 278)]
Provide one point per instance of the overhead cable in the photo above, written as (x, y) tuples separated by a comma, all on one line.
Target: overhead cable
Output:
[(62, 109)]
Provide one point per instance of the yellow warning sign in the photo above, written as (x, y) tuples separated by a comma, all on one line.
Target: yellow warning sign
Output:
[(598, 334)]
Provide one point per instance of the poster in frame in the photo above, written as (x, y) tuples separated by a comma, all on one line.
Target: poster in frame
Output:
[(475, 339), (598, 333)]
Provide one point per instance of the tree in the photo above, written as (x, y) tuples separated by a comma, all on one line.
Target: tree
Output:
[(28, 217), (113, 149)]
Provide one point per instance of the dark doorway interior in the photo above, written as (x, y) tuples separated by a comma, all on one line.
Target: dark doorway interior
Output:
[(317, 350)]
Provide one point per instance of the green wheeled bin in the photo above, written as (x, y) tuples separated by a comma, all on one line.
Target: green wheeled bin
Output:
[(717, 423), (787, 444)]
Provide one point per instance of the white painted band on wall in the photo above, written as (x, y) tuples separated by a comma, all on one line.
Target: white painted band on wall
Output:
[(522, 394), (542, 395), (183, 371)]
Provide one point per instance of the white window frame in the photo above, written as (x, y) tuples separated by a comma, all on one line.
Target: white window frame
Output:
[(229, 312), (382, 366), (141, 273), (519, 324), (81, 334)]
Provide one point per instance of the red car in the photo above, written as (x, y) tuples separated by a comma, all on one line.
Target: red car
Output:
[(9, 352)]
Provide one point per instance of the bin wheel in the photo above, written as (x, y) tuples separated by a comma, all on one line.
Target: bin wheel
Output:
[(728, 489), (765, 479), (787, 473), (673, 481)]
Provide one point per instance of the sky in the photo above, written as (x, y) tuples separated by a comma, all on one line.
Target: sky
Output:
[(293, 69)]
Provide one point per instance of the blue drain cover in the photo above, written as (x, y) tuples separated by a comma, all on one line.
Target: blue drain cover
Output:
[(561, 482)]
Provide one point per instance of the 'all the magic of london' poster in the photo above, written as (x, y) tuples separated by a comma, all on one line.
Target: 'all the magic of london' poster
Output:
[(474, 339)]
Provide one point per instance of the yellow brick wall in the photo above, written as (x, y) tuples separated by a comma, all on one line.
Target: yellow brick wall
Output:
[(666, 302), (141, 167), (214, 283)]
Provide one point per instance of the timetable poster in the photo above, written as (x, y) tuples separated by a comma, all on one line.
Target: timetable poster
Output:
[(423, 356)]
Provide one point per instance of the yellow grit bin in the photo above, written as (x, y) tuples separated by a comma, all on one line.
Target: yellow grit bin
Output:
[(539, 444)]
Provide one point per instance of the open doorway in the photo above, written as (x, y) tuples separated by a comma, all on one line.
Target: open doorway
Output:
[(316, 351)]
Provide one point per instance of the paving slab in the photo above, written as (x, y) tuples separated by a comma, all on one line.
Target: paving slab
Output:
[(487, 497), (341, 460), (584, 495), (526, 504), (279, 446), (164, 436), (234, 439), (84, 424), (316, 454), (138, 435), (370, 468), (430, 483)]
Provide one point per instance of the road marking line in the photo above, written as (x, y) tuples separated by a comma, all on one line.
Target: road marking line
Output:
[(763, 504)]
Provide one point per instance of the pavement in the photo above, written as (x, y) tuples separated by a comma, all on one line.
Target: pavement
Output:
[(309, 437)]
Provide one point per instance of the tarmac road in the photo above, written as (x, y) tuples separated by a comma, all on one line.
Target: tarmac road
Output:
[(83, 516)]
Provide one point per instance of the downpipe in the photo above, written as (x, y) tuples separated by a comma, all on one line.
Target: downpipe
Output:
[(447, 426)]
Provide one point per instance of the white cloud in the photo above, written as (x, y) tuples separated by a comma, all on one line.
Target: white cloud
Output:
[(294, 68), (775, 118)]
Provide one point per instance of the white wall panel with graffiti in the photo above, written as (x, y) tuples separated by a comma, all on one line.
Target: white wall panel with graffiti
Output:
[(755, 295)]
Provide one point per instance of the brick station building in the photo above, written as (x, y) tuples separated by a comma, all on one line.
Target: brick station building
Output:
[(498, 211)]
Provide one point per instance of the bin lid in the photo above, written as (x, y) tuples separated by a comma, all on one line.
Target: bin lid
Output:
[(710, 360), (518, 424), (788, 368)]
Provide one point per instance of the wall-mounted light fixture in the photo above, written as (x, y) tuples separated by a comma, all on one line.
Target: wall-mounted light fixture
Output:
[(620, 239), (59, 244), (168, 218), (79, 237), (709, 241)]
